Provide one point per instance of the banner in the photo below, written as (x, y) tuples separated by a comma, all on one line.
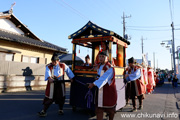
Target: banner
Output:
[(145, 59)]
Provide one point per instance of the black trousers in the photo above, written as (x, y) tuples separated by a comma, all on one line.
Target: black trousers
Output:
[(140, 99), (58, 96)]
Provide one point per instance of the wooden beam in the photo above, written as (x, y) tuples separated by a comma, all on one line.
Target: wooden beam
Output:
[(85, 45), (27, 33), (18, 26), (110, 52), (93, 39), (6, 16), (116, 40), (87, 72), (99, 39), (73, 56)]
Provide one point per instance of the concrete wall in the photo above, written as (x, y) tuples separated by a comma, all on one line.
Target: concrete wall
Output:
[(17, 76), (13, 83)]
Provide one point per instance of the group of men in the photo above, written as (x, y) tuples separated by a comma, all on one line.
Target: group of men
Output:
[(134, 87), (55, 90), (140, 80), (106, 96)]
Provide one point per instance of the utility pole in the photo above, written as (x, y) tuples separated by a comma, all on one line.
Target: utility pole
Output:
[(157, 64), (154, 61), (173, 48), (172, 61), (124, 26), (124, 29), (142, 48)]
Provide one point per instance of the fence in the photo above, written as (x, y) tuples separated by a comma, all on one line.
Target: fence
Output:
[(18, 76)]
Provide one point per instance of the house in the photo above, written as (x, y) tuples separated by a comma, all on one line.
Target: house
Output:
[(23, 55)]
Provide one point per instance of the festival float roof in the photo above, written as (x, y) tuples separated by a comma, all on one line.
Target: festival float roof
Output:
[(93, 32)]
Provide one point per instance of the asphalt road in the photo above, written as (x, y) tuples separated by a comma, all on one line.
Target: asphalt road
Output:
[(162, 104)]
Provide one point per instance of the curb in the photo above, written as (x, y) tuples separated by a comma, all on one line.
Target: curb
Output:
[(177, 96), (178, 105)]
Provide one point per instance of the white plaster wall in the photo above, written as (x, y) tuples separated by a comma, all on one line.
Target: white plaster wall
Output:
[(6, 24)]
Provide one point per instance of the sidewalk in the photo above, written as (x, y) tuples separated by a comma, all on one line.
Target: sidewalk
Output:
[(177, 96), (171, 100), (163, 104)]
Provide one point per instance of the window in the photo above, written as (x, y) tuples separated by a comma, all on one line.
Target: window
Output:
[(34, 60), (25, 59), (2, 56), (6, 56), (29, 59), (9, 57)]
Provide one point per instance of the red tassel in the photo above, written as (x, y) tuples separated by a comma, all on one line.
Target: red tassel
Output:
[(79, 50)]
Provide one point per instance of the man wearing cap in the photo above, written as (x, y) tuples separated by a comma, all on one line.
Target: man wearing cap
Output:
[(106, 94), (55, 89), (134, 86), (87, 63), (104, 47)]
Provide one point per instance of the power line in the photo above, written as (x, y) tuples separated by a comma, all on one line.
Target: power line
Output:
[(173, 8), (156, 40), (104, 5), (147, 29), (151, 26), (170, 7), (147, 26), (66, 5), (75, 10)]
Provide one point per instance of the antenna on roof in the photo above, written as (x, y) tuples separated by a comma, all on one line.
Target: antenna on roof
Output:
[(12, 6)]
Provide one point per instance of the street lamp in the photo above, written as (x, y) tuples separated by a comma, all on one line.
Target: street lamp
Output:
[(169, 42), (162, 43), (167, 47)]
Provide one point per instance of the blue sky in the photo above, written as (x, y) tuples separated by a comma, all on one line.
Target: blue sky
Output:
[(55, 20)]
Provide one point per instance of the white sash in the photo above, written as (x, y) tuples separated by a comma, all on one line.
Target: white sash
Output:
[(100, 93)]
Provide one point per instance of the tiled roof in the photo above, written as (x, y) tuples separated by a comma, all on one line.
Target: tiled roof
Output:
[(68, 57), (8, 36), (95, 31)]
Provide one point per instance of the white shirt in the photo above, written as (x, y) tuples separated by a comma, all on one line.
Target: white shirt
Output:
[(134, 75), (57, 72), (105, 78)]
